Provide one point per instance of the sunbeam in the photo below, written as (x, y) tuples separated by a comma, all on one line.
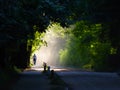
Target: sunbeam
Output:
[(50, 53)]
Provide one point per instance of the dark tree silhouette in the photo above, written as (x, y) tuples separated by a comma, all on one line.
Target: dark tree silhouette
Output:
[(17, 18)]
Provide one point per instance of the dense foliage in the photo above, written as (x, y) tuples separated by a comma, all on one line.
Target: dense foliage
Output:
[(101, 34), (17, 21), (84, 48)]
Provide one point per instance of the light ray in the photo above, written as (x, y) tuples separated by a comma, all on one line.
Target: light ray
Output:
[(50, 53)]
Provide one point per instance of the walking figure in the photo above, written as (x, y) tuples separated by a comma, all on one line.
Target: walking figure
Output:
[(34, 59)]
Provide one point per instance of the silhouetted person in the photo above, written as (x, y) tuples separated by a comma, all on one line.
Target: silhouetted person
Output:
[(45, 66), (52, 74), (48, 70), (34, 59)]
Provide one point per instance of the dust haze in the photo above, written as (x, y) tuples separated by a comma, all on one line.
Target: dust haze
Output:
[(50, 53)]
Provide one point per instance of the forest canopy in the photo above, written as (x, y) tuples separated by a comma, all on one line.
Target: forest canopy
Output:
[(84, 48), (96, 28)]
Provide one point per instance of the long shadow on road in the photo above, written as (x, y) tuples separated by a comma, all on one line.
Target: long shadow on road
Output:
[(35, 80), (67, 79)]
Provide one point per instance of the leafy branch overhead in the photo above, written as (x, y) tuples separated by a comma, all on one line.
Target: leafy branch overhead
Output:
[(21, 21)]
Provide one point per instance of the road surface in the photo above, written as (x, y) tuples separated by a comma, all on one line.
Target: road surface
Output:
[(34, 79), (76, 80), (86, 80)]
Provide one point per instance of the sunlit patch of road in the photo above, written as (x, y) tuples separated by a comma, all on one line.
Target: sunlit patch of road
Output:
[(55, 68)]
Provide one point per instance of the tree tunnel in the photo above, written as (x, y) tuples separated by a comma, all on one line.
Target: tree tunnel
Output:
[(91, 31)]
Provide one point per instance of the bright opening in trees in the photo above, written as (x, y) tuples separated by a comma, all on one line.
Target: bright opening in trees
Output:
[(53, 40), (79, 45)]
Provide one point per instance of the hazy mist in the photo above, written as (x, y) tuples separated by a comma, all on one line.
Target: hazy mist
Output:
[(50, 53)]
